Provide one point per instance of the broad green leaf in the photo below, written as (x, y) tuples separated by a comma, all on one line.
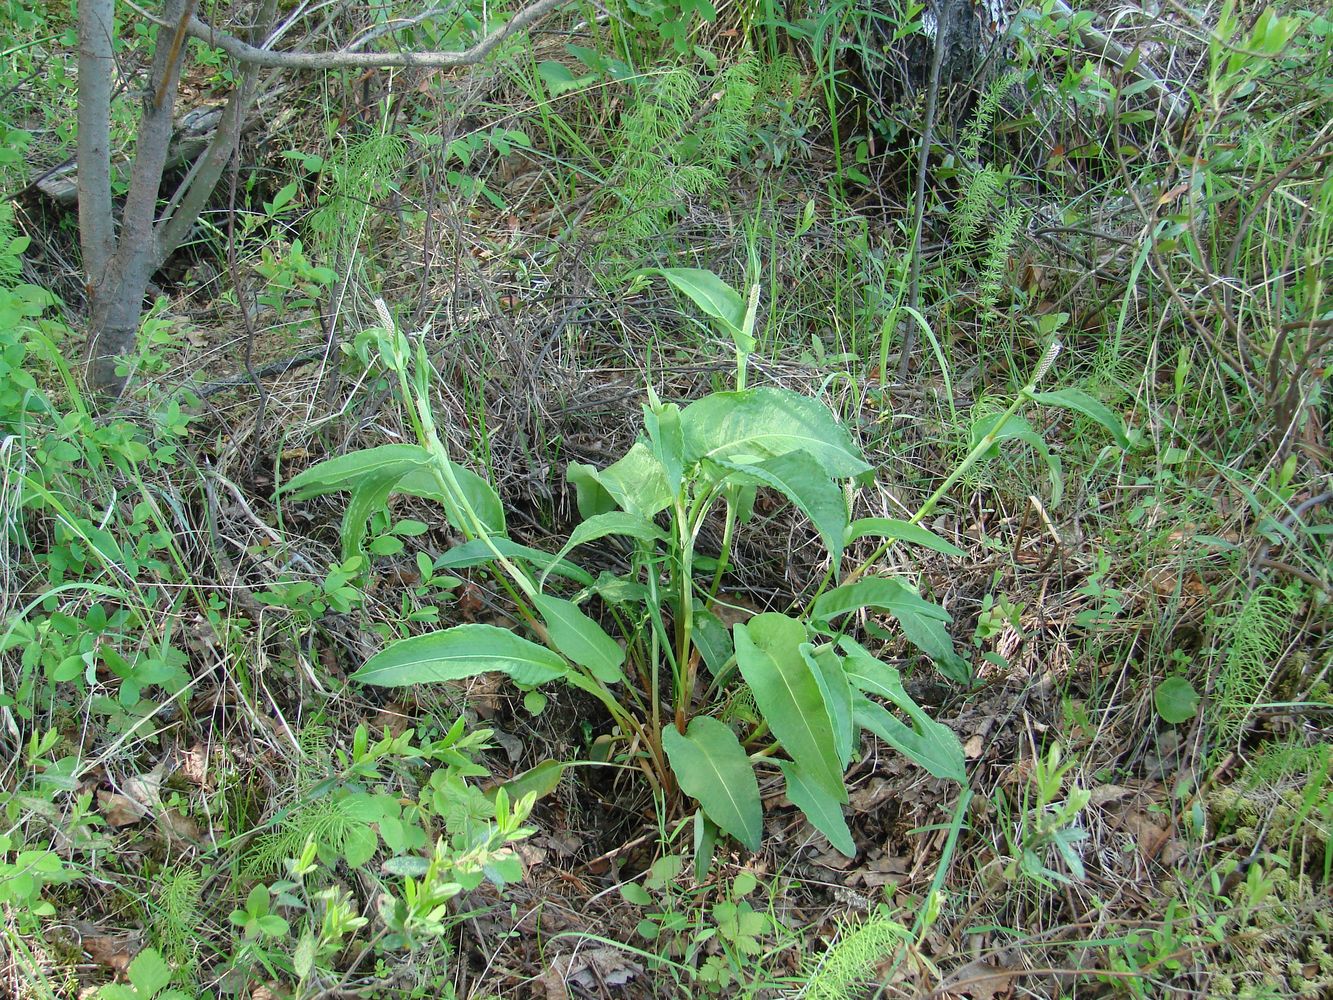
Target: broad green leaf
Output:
[(906, 531), (346, 471), (768, 655), (619, 590), (705, 843), (741, 497), (1176, 700), (637, 482), (764, 423), (581, 639), (149, 972), (485, 502), (923, 623), (1014, 427), (358, 845), (837, 691), (477, 553), (932, 745), (541, 781), (558, 78), (711, 766), (374, 474), (368, 496), (590, 496), (799, 477), (711, 294), (823, 812), (1089, 406), (880, 592), (458, 652)]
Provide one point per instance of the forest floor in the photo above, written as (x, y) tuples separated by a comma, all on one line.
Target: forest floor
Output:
[(1141, 598)]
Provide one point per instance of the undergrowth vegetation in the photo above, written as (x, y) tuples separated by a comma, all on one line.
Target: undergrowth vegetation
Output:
[(607, 522)]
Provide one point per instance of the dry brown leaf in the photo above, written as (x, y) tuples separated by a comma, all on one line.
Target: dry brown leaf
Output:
[(833, 859), (980, 980), (395, 717), (554, 984), (881, 871), (177, 826), (973, 747), (120, 810), (594, 967), (113, 951), (1126, 809), (530, 854), (872, 794)]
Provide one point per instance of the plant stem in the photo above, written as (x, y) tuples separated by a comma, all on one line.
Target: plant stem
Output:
[(724, 557)]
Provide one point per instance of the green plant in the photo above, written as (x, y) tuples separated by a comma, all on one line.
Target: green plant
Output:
[(678, 141), (722, 942), (1251, 641), (149, 979), (1047, 820), (24, 874), (297, 917), (855, 953), (813, 685)]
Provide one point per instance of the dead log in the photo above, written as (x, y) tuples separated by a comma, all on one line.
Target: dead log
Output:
[(193, 131)]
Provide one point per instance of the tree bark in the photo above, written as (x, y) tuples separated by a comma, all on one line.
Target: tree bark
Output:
[(96, 63)]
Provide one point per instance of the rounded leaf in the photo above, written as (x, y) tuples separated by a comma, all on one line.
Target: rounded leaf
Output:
[(1176, 700)]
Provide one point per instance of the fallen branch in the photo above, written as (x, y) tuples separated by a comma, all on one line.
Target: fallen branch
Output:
[(345, 58)]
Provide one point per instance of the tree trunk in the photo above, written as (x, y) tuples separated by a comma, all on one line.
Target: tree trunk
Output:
[(118, 275), (117, 290), (97, 26)]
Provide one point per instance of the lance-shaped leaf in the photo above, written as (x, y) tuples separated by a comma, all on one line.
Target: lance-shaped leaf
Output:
[(613, 522), (662, 422), (712, 639), (1017, 429), (540, 781), (923, 623), (459, 652), (368, 496), (711, 766), (765, 423), (478, 553), (710, 293), (768, 655), (891, 527), (478, 493), (799, 477), (580, 638), (932, 745), (820, 808), (346, 471), (636, 483), (826, 666), (1089, 406)]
